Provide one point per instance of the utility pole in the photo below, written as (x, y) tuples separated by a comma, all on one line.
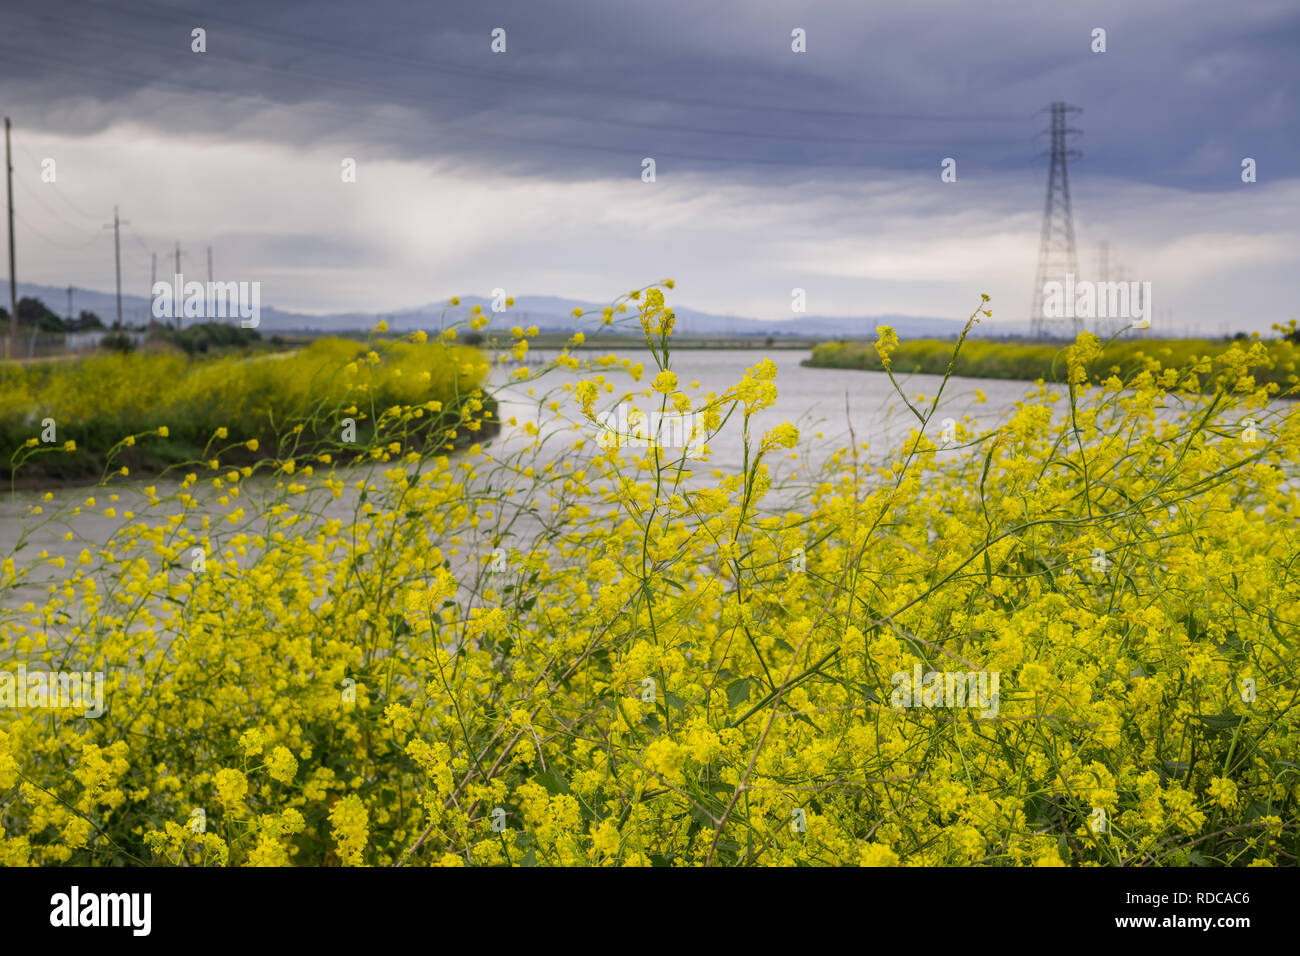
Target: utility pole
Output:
[(116, 225), (1056, 252), (11, 342), (177, 305), (69, 303), (1103, 276)]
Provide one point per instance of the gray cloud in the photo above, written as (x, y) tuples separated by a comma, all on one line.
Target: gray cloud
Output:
[(585, 88), (816, 170)]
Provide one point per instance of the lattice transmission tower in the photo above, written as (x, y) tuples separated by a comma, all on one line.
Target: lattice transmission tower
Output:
[(1056, 253)]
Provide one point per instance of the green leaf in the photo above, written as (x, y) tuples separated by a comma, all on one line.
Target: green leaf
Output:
[(703, 817), (1272, 626), (1255, 811), (1038, 810), (738, 692), (1175, 768), (553, 781), (729, 848), (1219, 721)]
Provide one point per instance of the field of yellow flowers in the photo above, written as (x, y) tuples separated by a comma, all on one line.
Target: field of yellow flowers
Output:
[(571, 650), (83, 419), (1029, 361)]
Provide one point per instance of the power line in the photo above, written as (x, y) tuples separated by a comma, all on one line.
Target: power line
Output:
[(32, 194), (334, 112), (419, 97), (415, 99), (59, 192), (337, 51), (53, 242)]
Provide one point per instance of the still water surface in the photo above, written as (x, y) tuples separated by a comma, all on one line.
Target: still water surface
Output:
[(821, 402)]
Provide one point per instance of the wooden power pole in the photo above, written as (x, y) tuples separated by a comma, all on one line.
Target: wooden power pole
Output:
[(116, 225), (11, 342), (181, 291)]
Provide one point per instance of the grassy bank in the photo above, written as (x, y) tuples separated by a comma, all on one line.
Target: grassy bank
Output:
[(147, 412), (986, 359)]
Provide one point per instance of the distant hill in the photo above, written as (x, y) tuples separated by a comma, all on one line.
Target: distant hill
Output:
[(548, 313)]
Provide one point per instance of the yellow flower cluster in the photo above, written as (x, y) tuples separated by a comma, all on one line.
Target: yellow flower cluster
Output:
[(172, 408)]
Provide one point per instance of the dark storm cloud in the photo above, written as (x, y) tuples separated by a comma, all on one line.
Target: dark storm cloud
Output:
[(1183, 92)]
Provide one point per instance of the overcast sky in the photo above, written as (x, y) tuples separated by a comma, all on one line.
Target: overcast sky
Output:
[(774, 169)]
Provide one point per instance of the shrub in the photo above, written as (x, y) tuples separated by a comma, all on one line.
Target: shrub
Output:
[(117, 342)]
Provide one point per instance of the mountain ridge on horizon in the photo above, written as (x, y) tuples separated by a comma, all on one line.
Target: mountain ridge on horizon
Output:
[(547, 312)]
